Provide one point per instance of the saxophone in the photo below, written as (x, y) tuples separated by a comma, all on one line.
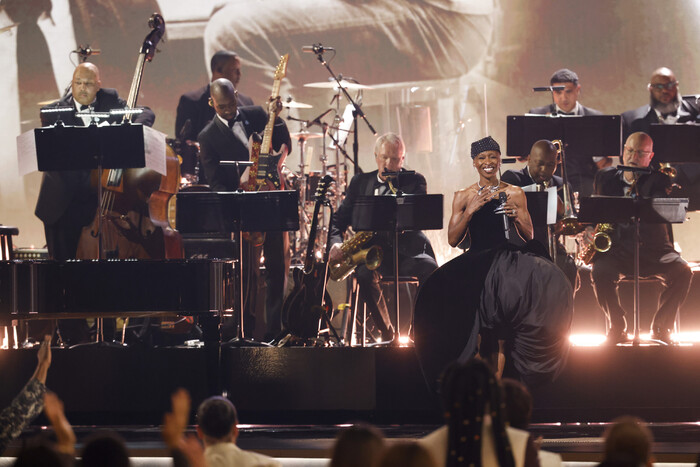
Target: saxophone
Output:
[(601, 242), (353, 256)]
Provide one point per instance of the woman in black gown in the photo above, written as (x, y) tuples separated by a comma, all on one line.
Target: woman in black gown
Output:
[(503, 297)]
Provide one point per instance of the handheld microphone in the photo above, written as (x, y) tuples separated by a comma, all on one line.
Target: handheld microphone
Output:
[(316, 49), (502, 197)]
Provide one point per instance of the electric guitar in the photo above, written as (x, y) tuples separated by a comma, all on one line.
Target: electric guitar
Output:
[(264, 173), (303, 308)]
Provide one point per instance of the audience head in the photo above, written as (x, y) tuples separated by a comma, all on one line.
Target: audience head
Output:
[(389, 152), (628, 442), (358, 445), (105, 449), (518, 402), (470, 392), (217, 421), (226, 64), (41, 454), (86, 82), (407, 455), (223, 98), (567, 98), (542, 161)]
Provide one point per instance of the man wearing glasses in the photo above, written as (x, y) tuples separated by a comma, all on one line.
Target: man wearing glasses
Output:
[(658, 258), (665, 105)]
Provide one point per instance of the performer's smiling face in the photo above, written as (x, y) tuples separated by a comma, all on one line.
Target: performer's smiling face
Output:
[(487, 163)]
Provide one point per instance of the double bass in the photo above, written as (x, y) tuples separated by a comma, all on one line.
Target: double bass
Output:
[(124, 224)]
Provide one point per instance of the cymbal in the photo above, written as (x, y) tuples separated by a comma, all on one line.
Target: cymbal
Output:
[(296, 105), (333, 85), (305, 135)]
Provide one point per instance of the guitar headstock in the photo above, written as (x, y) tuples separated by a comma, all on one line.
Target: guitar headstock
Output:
[(281, 70), (322, 187)]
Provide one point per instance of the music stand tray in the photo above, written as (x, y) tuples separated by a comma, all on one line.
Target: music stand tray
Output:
[(236, 212)]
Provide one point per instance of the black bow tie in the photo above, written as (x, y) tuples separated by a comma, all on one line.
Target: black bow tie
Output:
[(665, 116), (561, 112), (233, 121), (83, 108)]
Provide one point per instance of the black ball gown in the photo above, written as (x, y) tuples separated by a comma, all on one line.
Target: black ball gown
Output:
[(498, 289)]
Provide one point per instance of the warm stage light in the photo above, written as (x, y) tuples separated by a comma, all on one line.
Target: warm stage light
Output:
[(404, 340), (587, 340)]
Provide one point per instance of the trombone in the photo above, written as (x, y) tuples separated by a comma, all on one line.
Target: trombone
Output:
[(568, 224)]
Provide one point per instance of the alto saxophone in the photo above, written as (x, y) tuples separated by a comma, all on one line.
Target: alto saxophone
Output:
[(601, 242), (354, 255)]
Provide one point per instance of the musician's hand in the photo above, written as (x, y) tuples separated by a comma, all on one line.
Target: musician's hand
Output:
[(587, 235), (335, 253), (476, 201), (510, 208), (275, 106)]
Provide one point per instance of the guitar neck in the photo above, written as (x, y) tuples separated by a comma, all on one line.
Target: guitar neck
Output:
[(266, 145)]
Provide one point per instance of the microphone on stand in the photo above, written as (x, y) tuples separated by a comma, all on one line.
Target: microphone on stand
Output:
[(502, 197), (316, 49), (548, 88), (85, 52)]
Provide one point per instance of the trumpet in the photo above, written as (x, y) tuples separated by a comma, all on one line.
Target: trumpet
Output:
[(354, 255), (568, 224), (601, 242)]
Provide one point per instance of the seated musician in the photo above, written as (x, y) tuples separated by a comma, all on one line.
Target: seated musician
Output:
[(416, 257), (67, 202), (541, 164), (225, 138), (657, 256)]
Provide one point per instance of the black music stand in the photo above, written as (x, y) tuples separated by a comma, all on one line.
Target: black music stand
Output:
[(236, 212), (398, 213), (585, 136), (617, 209), (120, 146)]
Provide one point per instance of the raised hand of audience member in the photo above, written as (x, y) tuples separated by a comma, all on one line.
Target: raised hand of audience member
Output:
[(54, 411)]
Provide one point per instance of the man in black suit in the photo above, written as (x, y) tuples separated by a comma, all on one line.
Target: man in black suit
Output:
[(541, 164), (66, 201), (416, 257), (665, 105), (226, 138), (580, 171), (657, 256), (194, 105)]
